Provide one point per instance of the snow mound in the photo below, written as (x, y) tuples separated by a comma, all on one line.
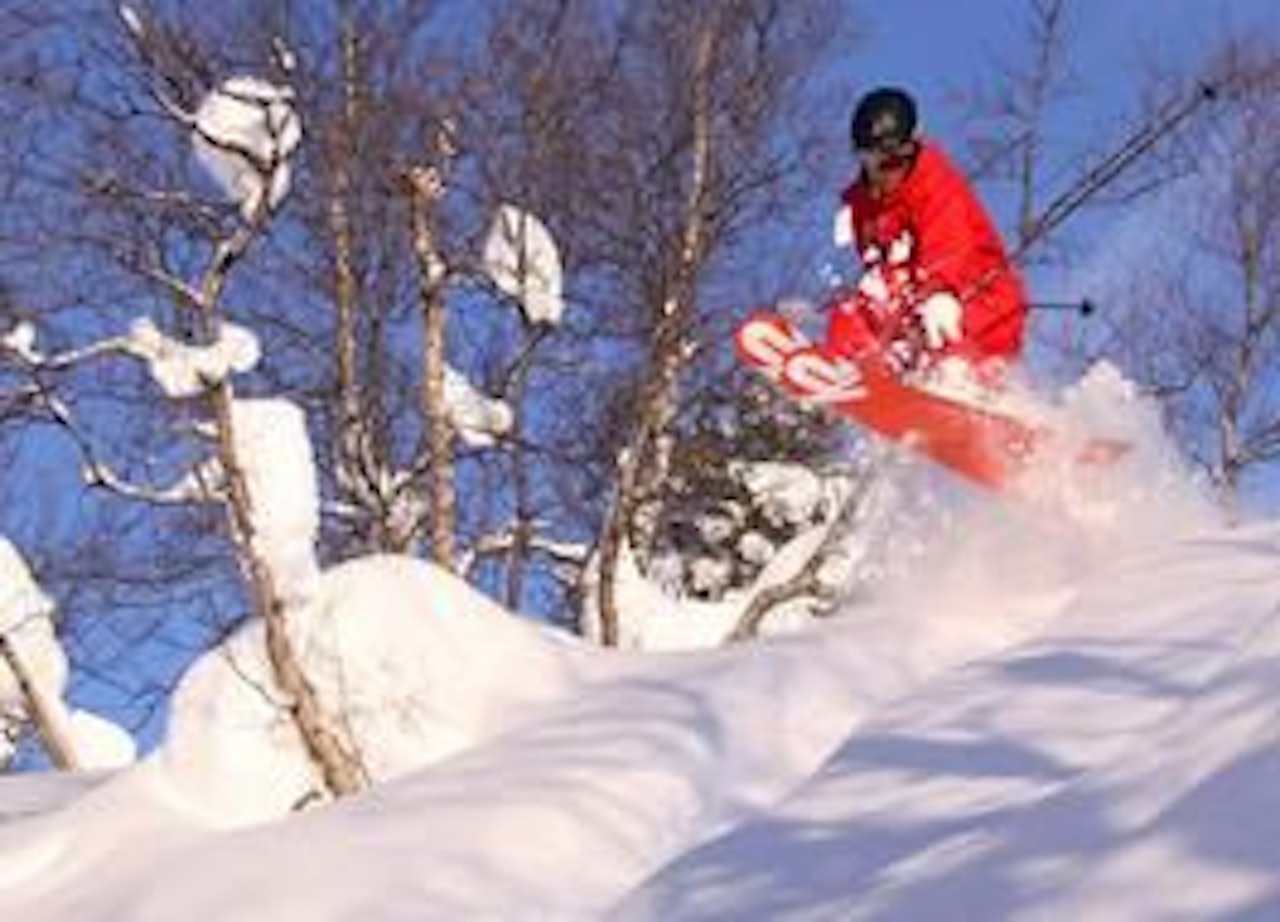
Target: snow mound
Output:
[(416, 659), (1131, 743), (840, 773), (1033, 716), (490, 733)]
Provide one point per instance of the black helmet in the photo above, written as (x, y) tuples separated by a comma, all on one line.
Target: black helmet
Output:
[(884, 119)]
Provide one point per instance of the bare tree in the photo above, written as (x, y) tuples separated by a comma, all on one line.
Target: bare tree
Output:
[(686, 163), (652, 143), (1212, 352), (182, 255), (1010, 116)]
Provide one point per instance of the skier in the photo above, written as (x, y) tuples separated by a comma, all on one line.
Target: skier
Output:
[(939, 299)]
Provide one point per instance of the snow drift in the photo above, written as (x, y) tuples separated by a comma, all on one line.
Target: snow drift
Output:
[(1031, 718)]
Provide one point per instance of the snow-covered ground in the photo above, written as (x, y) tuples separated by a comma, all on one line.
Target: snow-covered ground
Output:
[(1036, 720), (1120, 765), (1060, 706)]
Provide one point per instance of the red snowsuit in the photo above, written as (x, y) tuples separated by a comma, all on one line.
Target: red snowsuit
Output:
[(928, 235)]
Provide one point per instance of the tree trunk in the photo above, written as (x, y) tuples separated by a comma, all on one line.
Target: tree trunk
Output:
[(48, 715), (339, 766), (644, 465), (351, 434), (426, 187)]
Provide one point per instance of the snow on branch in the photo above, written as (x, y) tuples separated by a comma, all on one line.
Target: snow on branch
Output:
[(33, 677), (478, 419), (21, 341), (500, 543), (30, 658), (521, 258), (274, 452), (786, 493), (132, 21), (798, 576), (180, 369), (245, 132), (199, 485), (21, 600), (183, 370)]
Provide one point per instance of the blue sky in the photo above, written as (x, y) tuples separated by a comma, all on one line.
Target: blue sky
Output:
[(932, 45)]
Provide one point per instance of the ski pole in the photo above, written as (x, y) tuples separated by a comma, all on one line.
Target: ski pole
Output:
[(1093, 181), (1109, 169), (1084, 307)]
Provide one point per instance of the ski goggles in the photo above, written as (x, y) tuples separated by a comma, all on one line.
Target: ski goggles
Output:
[(886, 156)]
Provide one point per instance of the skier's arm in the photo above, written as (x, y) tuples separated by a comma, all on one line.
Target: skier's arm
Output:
[(945, 236)]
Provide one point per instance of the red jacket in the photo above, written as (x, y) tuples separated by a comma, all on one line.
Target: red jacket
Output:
[(932, 234)]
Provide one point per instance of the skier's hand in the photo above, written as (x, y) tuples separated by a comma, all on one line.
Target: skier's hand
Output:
[(942, 319)]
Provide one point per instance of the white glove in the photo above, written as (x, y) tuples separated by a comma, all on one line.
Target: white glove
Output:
[(941, 317)]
